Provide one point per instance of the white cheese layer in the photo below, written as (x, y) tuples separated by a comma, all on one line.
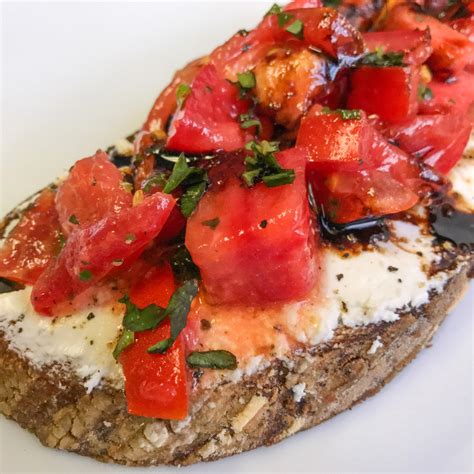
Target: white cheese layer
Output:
[(82, 342), (363, 288)]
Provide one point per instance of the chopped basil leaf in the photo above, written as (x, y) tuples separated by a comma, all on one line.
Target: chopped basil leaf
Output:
[(263, 166), (296, 29), (182, 92), (177, 311), (248, 121), (212, 223), (425, 93), (283, 18), (73, 220), (274, 10), (278, 179), (129, 238), (180, 172), (62, 241), (212, 360), (137, 319), (85, 275), (381, 59), (331, 3), (183, 266), (158, 181), (126, 339), (246, 80), (346, 114), (190, 198)]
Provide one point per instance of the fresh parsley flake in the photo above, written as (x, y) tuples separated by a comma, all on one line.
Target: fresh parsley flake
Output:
[(332, 3), (212, 360), (381, 59), (424, 92), (85, 275), (346, 114), (248, 121), (129, 238), (183, 266), (73, 219), (190, 198), (157, 181), (246, 80), (182, 92), (126, 339), (296, 29), (137, 319), (212, 223)]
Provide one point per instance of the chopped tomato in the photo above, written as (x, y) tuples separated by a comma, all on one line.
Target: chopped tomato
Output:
[(296, 4), (451, 50), (287, 82), (33, 242), (91, 191), (464, 26), (262, 251), (90, 254), (389, 92), (453, 95), (209, 119), (155, 384), (439, 140), (415, 44), (323, 29), (165, 105), (354, 172)]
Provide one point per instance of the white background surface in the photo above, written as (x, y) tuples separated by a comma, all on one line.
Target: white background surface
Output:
[(78, 76)]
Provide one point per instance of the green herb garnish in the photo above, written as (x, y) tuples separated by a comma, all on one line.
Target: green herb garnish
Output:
[(296, 29), (158, 181), (212, 223), (249, 120), (332, 3), (85, 275), (212, 360), (177, 311), (246, 80), (183, 266), (263, 166), (73, 219), (182, 92), (424, 92), (129, 238), (126, 339), (180, 172), (346, 114), (190, 198), (137, 319), (381, 59)]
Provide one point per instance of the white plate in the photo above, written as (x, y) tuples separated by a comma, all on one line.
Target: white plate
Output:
[(79, 76)]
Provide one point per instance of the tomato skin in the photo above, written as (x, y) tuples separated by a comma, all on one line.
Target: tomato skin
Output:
[(439, 140), (33, 242), (389, 92), (354, 172), (456, 95), (91, 191), (464, 26), (416, 44), (155, 384), (297, 4), (209, 119), (243, 261), (451, 50), (95, 248)]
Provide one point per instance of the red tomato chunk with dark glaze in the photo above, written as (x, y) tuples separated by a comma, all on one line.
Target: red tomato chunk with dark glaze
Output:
[(262, 249), (33, 243), (390, 92)]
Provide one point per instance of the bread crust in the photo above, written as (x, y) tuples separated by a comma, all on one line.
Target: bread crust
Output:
[(229, 418)]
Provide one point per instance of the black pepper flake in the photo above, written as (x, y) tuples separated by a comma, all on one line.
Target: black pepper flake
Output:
[(91, 342), (344, 306), (399, 280), (20, 329), (340, 276), (420, 254), (90, 316), (345, 255), (263, 224), (392, 269), (205, 325)]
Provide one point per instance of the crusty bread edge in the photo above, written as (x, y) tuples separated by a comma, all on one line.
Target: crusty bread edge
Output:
[(228, 418)]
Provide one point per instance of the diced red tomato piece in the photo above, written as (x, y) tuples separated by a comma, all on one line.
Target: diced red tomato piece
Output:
[(261, 252), (209, 119), (464, 26), (334, 143), (90, 254), (355, 173), (451, 50), (296, 4), (439, 140), (33, 242), (91, 191), (415, 44), (454, 95), (155, 384), (389, 92), (165, 105)]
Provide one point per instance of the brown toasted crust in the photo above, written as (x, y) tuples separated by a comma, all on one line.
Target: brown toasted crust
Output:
[(227, 419)]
